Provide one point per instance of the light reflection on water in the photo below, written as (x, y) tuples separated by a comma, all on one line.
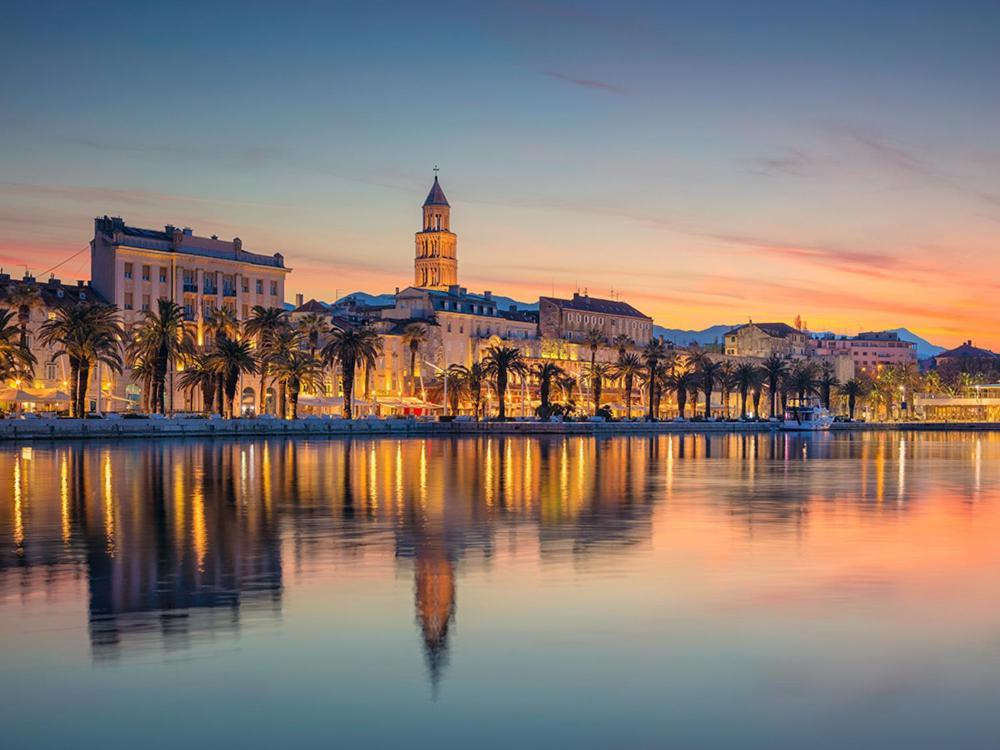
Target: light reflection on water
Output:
[(738, 590)]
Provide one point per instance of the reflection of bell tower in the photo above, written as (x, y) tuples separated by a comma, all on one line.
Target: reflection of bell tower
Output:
[(436, 264), (435, 601)]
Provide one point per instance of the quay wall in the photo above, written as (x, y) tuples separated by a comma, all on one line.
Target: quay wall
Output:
[(48, 429)]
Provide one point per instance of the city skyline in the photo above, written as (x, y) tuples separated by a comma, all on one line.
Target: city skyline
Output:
[(841, 170)]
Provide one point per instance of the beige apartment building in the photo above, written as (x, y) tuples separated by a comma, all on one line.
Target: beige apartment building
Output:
[(133, 268), (870, 350), (572, 319), (764, 339)]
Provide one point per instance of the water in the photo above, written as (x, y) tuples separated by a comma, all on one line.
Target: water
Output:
[(733, 591)]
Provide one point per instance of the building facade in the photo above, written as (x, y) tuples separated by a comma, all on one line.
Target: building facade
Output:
[(134, 267), (436, 263), (761, 340), (572, 319), (869, 351)]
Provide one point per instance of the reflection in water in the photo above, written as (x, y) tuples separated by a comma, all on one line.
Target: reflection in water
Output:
[(183, 540)]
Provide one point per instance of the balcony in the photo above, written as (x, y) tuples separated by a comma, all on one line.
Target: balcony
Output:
[(190, 287), (211, 289), (189, 315), (229, 291)]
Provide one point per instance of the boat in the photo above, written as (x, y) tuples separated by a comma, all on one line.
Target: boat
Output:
[(806, 418)]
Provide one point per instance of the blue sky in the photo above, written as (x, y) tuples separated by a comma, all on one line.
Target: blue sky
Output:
[(708, 161)]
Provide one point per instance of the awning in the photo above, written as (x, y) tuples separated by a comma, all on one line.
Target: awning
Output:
[(32, 395)]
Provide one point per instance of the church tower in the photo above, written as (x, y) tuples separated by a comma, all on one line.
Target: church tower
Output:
[(436, 264)]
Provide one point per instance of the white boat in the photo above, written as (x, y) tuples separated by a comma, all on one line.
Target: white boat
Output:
[(807, 418)]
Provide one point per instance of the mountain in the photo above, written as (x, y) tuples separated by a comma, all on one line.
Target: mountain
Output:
[(925, 348), (680, 337)]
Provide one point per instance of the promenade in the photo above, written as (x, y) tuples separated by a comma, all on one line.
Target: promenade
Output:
[(117, 427)]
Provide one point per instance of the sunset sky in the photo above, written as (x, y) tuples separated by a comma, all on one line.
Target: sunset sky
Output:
[(708, 161)]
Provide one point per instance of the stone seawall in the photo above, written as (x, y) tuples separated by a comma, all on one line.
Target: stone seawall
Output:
[(74, 429)]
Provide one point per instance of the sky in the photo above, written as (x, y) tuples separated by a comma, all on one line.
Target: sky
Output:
[(708, 162)]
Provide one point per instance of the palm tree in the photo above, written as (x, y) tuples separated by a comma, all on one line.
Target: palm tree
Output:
[(623, 343), (628, 368), (457, 383), (86, 333), (473, 378), (745, 376), (652, 354), (709, 371), (594, 339), (547, 373), (598, 373), (803, 380), (279, 345), (500, 362), (162, 339), (414, 336), (23, 297), (682, 382), (231, 359), (262, 325), (351, 348), (15, 360), (296, 371), (726, 384), (775, 368), (567, 384), (312, 327), (220, 324), (852, 390), (199, 375), (827, 382)]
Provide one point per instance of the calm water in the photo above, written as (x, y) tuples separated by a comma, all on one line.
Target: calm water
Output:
[(687, 592)]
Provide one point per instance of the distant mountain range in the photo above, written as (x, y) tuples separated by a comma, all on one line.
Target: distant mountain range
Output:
[(679, 336), (714, 335)]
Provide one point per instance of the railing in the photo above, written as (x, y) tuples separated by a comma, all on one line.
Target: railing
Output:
[(211, 289), (229, 291)]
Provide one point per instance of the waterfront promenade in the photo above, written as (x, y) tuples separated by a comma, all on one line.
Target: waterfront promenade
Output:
[(117, 427)]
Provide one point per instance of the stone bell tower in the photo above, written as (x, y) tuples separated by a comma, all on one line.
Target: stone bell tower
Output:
[(436, 264)]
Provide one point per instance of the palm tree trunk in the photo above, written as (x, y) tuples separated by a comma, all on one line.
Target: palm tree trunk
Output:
[(652, 386), (628, 398), (82, 384), (348, 375), (220, 393), (293, 399), (262, 403), (850, 406), (502, 394), (743, 402), (708, 402), (74, 379)]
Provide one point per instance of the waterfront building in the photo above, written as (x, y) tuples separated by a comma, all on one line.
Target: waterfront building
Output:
[(764, 339), (968, 358), (572, 319), (869, 351), (48, 389), (134, 267)]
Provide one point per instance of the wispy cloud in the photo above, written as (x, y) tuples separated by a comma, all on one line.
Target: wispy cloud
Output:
[(793, 163), (586, 83)]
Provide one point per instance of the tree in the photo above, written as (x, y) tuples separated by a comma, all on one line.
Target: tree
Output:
[(594, 339), (827, 381), (312, 327), (725, 381), (351, 348), (852, 390), (414, 336), (15, 361), (803, 381), (746, 376), (23, 297), (298, 370), (199, 375), (280, 345), (87, 334), (230, 359), (599, 372), (500, 362), (623, 343), (775, 368), (160, 339), (262, 325), (547, 373), (473, 379), (628, 368), (652, 354), (709, 372), (567, 384), (682, 382), (220, 324)]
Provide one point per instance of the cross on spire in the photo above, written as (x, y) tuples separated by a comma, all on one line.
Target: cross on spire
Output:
[(436, 170)]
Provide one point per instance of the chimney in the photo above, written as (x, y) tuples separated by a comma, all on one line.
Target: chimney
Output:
[(299, 300), (488, 294), (79, 282), (187, 231)]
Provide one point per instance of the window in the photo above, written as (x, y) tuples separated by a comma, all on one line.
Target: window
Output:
[(260, 286), (51, 371), (163, 275), (274, 288), (128, 300), (128, 270), (145, 273), (246, 285), (145, 302)]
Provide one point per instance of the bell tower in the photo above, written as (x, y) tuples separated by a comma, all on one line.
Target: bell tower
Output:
[(436, 264)]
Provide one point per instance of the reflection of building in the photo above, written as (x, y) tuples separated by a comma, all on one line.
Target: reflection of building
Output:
[(764, 339), (572, 319)]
